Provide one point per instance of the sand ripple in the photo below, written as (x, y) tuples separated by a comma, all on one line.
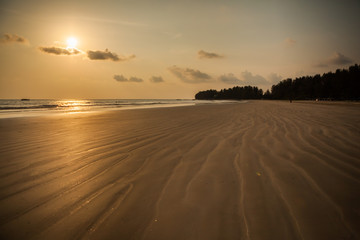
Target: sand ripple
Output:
[(260, 170)]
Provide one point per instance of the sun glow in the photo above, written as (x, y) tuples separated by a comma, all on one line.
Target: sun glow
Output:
[(71, 42)]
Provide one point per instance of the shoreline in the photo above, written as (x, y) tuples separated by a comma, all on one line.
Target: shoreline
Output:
[(46, 107), (45, 113)]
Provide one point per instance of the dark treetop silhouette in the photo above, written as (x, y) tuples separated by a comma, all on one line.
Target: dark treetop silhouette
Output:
[(341, 85)]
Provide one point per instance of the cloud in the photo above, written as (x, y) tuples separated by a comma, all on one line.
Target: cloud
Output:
[(60, 51), (339, 59), (336, 59), (321, 65), (289, 42), (155, 79), (251, 79), (107, 55), (135, 79), (230, 79), (203, 54), (247, 78), (13, 38), (121, 78), (189, 75), (274, 78)]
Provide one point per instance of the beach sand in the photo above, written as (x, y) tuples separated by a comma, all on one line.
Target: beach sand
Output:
[(255, 170)]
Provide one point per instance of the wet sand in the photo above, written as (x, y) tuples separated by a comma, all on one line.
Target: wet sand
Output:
[(259, 170)]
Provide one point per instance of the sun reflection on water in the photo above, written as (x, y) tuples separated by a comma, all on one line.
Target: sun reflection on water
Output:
[(73, 106)]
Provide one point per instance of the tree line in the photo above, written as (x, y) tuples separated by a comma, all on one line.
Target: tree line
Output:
[(247, 92), (341, 85)]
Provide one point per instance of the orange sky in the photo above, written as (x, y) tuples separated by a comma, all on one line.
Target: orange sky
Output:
[(168, 49)]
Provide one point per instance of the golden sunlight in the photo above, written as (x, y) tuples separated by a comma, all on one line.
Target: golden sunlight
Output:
[(71, 42)]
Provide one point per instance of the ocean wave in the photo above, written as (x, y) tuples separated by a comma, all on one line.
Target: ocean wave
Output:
[(28, 107)]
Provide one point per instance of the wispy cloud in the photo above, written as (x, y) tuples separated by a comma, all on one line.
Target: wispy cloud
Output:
[(339, 59), (60, 50), (173, 35), (115, 22), (13, 38), (289, 42), (202, 54), (189, 75), (121, 78), (155, 79), (107, 55), (335, 59), (176, 35), (321, 65)]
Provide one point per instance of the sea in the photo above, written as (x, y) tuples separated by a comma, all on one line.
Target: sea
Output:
[(12, 108)]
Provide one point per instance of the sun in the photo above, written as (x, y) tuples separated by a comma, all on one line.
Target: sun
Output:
[(71, 42)]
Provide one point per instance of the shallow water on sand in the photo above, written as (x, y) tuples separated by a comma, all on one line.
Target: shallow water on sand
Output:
[(34, 107)]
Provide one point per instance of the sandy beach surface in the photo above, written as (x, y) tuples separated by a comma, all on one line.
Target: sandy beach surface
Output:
[(255, 170)]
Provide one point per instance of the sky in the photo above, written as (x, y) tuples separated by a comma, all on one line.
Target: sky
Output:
[(169, 49)]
